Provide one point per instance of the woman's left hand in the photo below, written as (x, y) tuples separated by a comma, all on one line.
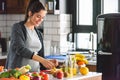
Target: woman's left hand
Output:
[(54, 61)]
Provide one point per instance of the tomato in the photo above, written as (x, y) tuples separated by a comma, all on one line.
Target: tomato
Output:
[(41, 73), (45, 77)]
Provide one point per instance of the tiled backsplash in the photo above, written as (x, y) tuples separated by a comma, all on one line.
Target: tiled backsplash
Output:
[(6, 22), (56, 28)]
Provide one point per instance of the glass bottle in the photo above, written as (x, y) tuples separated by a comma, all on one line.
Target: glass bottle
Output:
[(65, 65), (75, 67), (70, 66)]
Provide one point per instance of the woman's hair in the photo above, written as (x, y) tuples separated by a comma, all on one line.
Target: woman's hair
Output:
[(34, 6)]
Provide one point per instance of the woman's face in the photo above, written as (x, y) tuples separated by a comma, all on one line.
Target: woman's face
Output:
[(37, 18)]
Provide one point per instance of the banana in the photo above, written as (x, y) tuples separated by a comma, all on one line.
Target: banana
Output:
[(79, 58), (79, 55)]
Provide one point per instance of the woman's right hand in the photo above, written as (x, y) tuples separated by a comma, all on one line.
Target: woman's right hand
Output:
[(48, 64)]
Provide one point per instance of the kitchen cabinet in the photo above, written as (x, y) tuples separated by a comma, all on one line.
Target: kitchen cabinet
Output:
[(19, 6), (16, 6), (13, 7), (92, 68), (3, 57), (2, 6)]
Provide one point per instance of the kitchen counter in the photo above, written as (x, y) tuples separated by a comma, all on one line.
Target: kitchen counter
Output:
[(89, 76), (62, 58), (92, 62), (3, 55)]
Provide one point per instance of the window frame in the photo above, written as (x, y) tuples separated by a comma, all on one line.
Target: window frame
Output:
[(86, 28)]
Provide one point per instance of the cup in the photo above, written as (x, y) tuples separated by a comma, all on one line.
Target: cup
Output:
[(54, 50)]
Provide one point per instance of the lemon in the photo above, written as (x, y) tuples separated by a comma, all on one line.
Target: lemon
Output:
[(84, 70)]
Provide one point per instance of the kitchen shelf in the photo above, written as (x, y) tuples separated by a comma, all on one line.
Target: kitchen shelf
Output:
[(13, 7), (59, 7)]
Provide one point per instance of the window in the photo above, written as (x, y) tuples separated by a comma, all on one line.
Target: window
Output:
[(85, 23), (84, 41), (84, 12), (85, 15), (109, 6), (84, 20)]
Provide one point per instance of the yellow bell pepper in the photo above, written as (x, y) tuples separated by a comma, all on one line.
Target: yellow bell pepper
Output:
[(24, 77)]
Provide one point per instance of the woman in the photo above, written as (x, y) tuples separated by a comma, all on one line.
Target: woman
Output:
[(26, 41)]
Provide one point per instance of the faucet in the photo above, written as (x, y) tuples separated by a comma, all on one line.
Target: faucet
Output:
[(91, 39)]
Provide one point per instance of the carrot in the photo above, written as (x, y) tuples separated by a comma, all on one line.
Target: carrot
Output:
[(1, 68)]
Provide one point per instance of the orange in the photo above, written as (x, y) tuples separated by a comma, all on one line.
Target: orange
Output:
[(80, 63), (84, 70)]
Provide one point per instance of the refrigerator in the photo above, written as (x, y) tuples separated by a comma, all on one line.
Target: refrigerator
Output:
[(108, 46)]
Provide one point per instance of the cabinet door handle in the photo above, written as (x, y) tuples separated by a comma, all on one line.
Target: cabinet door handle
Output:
[(3, 6)]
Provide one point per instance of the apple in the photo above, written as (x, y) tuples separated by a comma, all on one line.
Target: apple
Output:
[(36, 78), (35, 74), (41, 73), (59, 74)]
